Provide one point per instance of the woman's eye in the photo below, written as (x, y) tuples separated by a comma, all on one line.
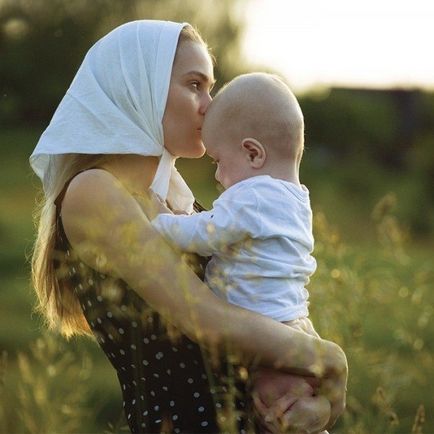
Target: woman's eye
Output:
[(195, 84)]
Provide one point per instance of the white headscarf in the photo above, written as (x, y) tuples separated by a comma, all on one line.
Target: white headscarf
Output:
[(116, 103)]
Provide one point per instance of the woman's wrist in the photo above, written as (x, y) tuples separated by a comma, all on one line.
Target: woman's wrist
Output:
[(316, 357)]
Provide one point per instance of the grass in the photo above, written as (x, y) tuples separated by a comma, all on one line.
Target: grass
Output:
[(372, 294)]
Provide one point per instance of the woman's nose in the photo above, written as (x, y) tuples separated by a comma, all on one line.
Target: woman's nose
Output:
[(205, 101)]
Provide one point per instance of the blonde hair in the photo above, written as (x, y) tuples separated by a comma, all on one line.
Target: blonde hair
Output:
[(55, 301), (191, 34)]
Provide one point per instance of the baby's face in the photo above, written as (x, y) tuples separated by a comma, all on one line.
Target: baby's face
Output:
[(231, 162)]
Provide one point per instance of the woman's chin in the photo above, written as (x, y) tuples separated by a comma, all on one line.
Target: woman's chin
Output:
[(196, 152)]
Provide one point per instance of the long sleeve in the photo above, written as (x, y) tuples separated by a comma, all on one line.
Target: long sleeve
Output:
[(208, 232)]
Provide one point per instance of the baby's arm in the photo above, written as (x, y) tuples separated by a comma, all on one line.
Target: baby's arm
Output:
[(207, 232), (190, 233)]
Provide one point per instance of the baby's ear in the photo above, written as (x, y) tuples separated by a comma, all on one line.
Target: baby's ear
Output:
[(255, 152)]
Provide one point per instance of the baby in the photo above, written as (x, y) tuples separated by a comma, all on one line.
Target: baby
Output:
[(259, 231)]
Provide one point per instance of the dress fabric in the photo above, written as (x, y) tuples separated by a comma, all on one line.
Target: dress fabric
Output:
[(169, 385)]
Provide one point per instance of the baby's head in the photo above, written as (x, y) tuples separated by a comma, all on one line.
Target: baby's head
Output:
[(254, 126)]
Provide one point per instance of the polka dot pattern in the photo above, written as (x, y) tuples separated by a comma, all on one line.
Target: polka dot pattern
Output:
[(164, 382)]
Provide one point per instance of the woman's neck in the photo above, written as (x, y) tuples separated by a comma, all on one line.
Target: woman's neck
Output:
[(135, 172)]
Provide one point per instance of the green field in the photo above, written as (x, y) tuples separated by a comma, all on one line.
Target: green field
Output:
[(372, 294)]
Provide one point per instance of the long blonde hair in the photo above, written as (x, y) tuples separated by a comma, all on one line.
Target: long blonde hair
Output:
[(58, 305), (55, 300)]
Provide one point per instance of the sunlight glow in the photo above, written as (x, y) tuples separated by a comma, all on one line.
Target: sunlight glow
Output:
[(375, 43)]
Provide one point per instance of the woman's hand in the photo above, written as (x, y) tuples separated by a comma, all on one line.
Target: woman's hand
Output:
[(288, 403), (292, 403), (334, 384), (287, 415)]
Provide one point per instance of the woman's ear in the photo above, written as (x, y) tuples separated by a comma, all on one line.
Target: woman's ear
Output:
[(255, 152)]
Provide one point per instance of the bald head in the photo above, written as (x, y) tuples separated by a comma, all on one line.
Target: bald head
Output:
[(259, 106)]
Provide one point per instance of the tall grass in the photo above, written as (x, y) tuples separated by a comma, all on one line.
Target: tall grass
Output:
[(376, 303), (46, 393)]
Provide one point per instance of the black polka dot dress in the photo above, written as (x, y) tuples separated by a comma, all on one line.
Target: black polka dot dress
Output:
[(168, 383)]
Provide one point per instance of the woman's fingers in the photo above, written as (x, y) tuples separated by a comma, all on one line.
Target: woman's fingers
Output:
[(291, 414), (307, 415), (335, 391), (283, 404), (264, 417), (334, 383)]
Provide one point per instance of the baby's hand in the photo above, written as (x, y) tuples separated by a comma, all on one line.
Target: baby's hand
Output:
[(156, 206)]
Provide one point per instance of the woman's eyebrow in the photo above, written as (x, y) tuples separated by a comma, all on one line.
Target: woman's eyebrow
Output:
[(203, 76)]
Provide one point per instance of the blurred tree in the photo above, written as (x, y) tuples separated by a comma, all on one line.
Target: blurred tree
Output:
[(382, 125), (42, 43), (351, 122), (359, 132)]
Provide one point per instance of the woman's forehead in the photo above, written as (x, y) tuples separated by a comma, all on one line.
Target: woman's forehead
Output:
[(193, 57)]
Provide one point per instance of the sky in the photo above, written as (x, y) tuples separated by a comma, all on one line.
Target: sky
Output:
[(362, 43)]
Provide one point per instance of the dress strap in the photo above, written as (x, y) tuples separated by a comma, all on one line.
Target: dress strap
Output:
[(59, 199)]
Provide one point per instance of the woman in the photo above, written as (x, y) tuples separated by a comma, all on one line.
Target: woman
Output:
[(98, 267)]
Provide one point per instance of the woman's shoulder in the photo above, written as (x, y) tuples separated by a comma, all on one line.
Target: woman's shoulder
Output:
[(94, 204), (84, 194), (89, 183)]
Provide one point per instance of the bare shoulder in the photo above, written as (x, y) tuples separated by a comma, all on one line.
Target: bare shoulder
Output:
[(87, 194), (87, 186), (94, 207)]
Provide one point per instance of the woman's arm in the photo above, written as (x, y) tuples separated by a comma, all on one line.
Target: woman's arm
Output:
[(109, 231)]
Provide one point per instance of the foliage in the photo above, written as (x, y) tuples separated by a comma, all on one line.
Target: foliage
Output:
[(42, 398), (376, 302), (372, 293), (368, 132)]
